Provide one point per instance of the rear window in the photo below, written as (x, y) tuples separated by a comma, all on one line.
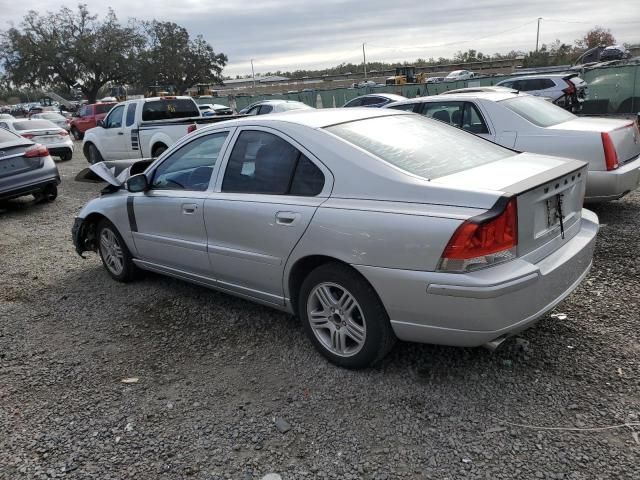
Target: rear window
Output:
[(7, 136), (33, 125), (168, 109), (538, 111), (103, 107), (420, 146)]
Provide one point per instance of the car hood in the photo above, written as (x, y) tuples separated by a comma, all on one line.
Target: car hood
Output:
[(114, 172)]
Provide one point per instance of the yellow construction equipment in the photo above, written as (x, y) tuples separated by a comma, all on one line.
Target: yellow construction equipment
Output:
[(406, 75)]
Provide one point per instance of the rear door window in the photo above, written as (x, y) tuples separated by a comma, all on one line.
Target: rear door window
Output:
[(407, 107), (372, 101), (167, 109), (131, 114), (447, 112)]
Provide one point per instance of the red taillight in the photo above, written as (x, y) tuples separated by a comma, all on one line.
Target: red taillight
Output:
[(571, 88), (191, 128), (28, 135), (610, 154), (36, 151), (481, 242)]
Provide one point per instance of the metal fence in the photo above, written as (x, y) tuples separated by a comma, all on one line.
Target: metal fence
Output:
[(612, 90)]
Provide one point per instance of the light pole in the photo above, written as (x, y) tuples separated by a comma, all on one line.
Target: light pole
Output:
[(253, 74), (538, 34), (364, 58)]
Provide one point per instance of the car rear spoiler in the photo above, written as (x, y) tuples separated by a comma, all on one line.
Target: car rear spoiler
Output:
[(114, 172)]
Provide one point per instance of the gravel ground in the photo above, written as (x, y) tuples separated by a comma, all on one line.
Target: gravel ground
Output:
[(220, 380)]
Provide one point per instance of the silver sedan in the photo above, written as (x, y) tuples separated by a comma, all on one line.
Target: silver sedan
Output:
[(368, 224), (531, 124)]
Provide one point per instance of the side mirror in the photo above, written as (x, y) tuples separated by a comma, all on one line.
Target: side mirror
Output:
[(138, 183), (100, 123)]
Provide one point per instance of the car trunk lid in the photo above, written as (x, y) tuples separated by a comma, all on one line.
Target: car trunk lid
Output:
[(13, 162), (623, 133), (45, 136), (549, 192)]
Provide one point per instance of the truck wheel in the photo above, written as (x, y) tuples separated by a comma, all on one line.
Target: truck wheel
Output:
[(76, 133), (93, 154), (158, 150)]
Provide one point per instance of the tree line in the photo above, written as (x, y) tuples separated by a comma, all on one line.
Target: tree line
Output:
[(74, 49), (555, 53)]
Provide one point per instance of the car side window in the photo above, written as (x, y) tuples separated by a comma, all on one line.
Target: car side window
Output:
[(4, 125), (407, 107), (191, 166), (356, 102), (253, 110), (131, 114), (472, 121), (507, 84), (448, 112), (84, 111), (264, 109), (371, 101), (547, 83), (114, 119), (261, 162)]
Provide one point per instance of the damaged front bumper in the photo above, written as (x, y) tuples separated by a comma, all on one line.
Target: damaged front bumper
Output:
[(81, 236)]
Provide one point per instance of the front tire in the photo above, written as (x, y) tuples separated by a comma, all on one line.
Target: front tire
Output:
[(115, 255), (93, 154), (344, 318), (76, 134)]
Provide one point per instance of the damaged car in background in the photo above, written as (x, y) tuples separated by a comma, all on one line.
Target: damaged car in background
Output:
[(463, 243)]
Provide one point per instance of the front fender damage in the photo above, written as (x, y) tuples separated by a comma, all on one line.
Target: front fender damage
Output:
[(83, 234)]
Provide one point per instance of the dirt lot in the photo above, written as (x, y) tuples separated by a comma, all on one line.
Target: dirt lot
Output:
[(215, 372)]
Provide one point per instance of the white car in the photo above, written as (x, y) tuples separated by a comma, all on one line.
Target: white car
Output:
[(56, 139), (58, 119), (531, 124), (565, 90), (459, 75), (434, 80)]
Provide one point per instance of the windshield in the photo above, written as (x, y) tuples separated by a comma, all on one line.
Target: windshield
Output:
[(418, 145), (33, 125), (538, 111)]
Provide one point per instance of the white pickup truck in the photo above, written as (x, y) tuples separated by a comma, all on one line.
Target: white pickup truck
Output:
[(142, 128)]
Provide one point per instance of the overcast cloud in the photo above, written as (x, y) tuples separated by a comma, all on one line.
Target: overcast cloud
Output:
[(291, 34)]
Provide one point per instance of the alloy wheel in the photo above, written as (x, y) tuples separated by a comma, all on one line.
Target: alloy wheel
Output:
[(111, 251), (336, 319)]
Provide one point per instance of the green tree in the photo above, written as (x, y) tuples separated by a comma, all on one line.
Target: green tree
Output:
[(70, 48), (173, 58)]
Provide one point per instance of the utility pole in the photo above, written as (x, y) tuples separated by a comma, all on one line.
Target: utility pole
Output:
[(538, 34), (253, 75), (364, 57)]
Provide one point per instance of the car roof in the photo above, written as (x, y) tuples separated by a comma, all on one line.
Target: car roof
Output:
[(537, 75), (313, 118), (491, 96), (276, 101), (390, 96), (492, 88)]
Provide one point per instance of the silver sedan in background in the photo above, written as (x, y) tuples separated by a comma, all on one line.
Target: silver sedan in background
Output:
[(368, 224), (56, 139), (56, 118), (526, 123)]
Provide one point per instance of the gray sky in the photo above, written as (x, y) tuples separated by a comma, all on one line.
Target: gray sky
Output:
[(291, 34)]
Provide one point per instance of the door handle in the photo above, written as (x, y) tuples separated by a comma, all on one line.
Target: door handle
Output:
[(287, 219), (120, 133), (189, 208)]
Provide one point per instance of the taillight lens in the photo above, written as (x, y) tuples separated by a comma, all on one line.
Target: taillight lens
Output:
[(191, 128), (28, 135), (36, 151), (610, 154), (482, 242), (571, 88)]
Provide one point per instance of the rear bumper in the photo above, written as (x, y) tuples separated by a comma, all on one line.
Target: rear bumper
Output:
[(603, 186), (476, 308), (29, 182)]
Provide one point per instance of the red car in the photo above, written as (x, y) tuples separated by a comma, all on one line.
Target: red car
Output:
[(87, 118)]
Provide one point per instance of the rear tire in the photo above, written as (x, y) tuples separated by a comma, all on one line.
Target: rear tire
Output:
[(48, 194), (93, 154), (158, 150), (65, 157), (344, 317), (115, 255), (76, 134)]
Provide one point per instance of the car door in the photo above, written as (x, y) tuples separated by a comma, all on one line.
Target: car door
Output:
[(168, 227), (130, 131), (262, 205), (112, 140)]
